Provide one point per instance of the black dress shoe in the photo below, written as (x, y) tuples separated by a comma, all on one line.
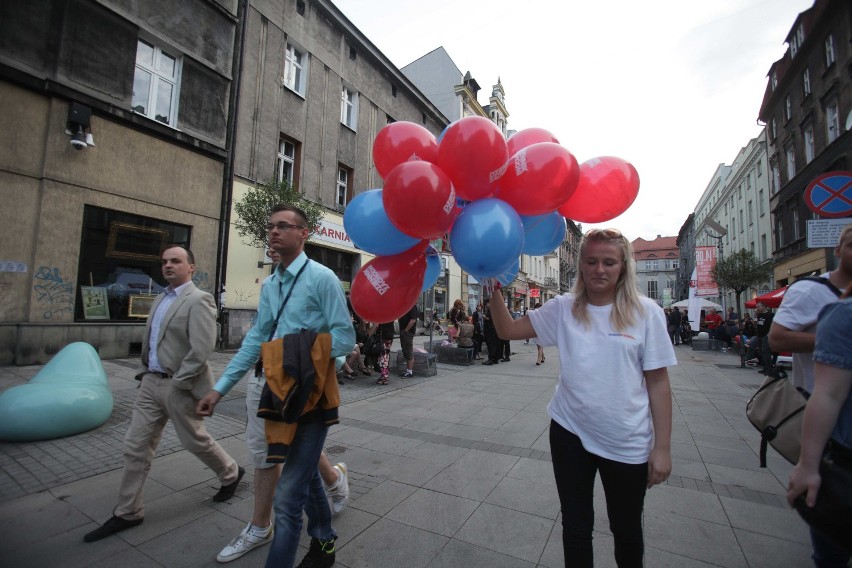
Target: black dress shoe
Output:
[(489, 362), (505, 360), (109, 528), (227, 491)]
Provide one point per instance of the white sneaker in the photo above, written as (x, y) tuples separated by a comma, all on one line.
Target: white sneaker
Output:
[(339, 495), (247, 540)]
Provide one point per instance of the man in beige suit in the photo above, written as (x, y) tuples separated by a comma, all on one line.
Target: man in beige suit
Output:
[(179, 338)]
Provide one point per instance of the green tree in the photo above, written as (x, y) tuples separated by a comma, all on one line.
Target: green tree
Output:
[(254, 209), (739, 272)]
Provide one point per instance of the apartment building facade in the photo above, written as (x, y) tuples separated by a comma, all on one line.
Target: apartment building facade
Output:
[(807, 109), (118, 121), (313, 95)]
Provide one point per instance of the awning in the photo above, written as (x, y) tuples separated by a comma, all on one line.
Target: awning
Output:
[(772, 299)]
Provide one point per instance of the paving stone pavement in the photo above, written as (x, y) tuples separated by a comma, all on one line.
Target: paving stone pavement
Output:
[(448, 470)]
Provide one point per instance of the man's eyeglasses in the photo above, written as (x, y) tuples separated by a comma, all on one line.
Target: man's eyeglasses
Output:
[(282, 226)]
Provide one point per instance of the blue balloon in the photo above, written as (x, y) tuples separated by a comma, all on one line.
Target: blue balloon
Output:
[(487, 237), (543, 233), (509, 275), (367, 224), (433, 270)]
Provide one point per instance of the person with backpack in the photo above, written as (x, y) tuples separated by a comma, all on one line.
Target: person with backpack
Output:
[(794, 329), (794, 326)]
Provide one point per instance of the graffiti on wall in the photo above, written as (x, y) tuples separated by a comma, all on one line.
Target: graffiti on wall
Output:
[(52, 293), (244, 295), (202, 281)]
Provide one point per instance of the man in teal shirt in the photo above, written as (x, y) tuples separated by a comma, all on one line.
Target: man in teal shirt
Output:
[(301, 294)]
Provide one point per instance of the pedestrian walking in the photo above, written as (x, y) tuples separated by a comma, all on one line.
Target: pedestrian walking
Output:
[(301, 295), (179, 337)]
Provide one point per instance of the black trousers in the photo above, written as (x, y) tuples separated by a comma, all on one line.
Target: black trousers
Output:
[(624, 486), (493, 343)]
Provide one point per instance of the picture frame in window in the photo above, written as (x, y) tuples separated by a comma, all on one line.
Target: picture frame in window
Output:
[(140, 306), (95, 305), (135, 242)]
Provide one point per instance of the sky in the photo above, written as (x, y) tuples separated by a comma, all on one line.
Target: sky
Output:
[(672, 86)]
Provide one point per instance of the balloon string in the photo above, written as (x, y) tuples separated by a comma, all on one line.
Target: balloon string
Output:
[(489, 285)]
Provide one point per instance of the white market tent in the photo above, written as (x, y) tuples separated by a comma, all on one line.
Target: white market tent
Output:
[(705, 304)]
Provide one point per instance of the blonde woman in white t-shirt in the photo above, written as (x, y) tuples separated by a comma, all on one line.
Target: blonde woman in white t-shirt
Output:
[(611, 410)]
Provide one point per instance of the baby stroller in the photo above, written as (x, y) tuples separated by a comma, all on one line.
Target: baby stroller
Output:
[(685, 332)]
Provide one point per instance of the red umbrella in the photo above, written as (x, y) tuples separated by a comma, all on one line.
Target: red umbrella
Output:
[(772, 299)]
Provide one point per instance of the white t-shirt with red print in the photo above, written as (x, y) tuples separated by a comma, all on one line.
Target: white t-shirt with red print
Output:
[(601, 395)]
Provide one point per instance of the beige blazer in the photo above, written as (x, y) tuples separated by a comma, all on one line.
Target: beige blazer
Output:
[(187, 338)]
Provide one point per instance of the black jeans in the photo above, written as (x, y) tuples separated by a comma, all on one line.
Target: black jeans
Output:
[(624, 486), (492, 342)]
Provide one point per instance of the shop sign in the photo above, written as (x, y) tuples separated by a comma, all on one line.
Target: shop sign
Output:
[(535, 293), (332, 233)]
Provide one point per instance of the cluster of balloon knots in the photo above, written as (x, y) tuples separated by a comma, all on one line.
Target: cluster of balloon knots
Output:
[(495, 198)]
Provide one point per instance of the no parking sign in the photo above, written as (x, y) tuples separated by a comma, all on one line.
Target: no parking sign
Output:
[(830, 195)]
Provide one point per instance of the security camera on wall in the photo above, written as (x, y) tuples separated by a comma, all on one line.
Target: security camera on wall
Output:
[(78, 139), (78, 126)]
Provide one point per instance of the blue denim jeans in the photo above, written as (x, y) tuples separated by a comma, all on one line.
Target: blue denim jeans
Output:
[(826, 553), (300, 488)]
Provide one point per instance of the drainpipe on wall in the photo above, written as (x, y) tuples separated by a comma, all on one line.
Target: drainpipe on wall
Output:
[(230, 137)]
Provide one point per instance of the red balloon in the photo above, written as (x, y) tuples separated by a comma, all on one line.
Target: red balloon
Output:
[(538, 179), (386, 287), (607, 187), (528, 137), (471, 150), (400, 142), (419, 199)]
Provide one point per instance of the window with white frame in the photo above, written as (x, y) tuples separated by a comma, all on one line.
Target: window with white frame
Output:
[(750, 212), (763, 251), (809, 144), (830, 56), (652, 289), (788, 108), (344, 186), (790, 156), (773, 130), (288, 154), (832, 121), (779, 233), (349, 107), (742, 222), (295, 69), (156, 83), (733, 224), (675, 264), (806, 82), (761, 203)]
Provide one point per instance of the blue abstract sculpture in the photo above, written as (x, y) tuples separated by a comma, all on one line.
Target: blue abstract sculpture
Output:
[(68, 396)]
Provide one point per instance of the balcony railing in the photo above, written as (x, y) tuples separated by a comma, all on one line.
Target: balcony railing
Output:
[(549, 282)]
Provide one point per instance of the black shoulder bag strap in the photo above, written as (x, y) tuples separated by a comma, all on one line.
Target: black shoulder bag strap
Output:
[(823, 281), (258, 367)]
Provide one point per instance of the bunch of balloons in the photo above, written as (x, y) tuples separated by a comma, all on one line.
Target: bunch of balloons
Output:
[(496, 199)]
